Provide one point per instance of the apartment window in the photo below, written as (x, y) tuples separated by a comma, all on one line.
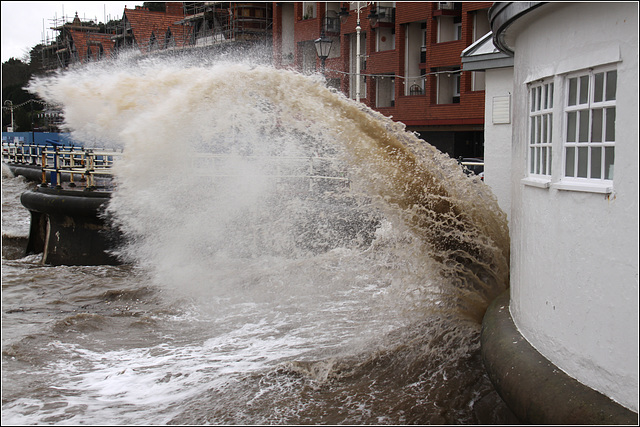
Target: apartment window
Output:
[(385, 91), (456, 88), (308, 10), (540, 128), (448, 85), (457, 31), (590, 117), (477, 80), (449, 28)]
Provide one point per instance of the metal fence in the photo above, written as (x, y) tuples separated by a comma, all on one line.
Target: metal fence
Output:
[(85, 165)]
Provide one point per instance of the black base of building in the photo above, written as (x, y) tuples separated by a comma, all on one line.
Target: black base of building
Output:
[(536, 390)]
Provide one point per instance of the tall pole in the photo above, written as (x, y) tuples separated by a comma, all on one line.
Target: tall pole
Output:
[(9, 104), (358, 55)]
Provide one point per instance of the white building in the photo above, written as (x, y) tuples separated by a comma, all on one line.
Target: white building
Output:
[(561, 155)]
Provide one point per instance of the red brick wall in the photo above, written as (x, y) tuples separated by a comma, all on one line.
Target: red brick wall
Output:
[(445, 54), (407, 12), (414, 110), (382, 62)]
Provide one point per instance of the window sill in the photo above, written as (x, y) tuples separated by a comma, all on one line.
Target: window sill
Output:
[(536, 182), (588, 187)]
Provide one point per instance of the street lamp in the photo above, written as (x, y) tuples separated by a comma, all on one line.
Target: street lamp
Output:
[(344, 14), (9, 104), (323, 48), (373, 17)]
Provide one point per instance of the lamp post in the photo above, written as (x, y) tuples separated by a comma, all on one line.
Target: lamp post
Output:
[(344, 14), (358, 28), (323, 48), (9, 104)]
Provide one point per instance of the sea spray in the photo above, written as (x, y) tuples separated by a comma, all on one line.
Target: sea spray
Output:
[(223, 202)]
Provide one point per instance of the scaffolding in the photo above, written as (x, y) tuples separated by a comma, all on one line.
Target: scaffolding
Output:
[(211, 23), (206, 24), (60, 51)]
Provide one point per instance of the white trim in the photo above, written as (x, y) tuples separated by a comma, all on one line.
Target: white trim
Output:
[(589, 187), (540, 137), (587, 107), (536, 182)]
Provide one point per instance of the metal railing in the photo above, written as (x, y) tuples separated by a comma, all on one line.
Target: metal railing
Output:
[(86, 163)]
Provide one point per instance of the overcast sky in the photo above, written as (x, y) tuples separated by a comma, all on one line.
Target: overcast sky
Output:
[(26, 23)]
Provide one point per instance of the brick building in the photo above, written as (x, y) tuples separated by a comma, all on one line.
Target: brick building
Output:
[(77, 43), (165, 28), (218, 24), (149, 30), (410, 52), (410, 61)]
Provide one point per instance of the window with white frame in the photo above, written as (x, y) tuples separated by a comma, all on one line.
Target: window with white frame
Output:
[(590, 117), (540, 128)]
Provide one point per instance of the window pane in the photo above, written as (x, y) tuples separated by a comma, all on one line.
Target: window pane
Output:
[(538, 120), (610, 133), (551, 95), (532, 140), (612, 81), (596, 162), (573, 90), (598, 87), (543, 160), (584, 89), (608, 162), (538, 96), (584, 126), (532, 160), (570, 162), (538, 160), (571, 127), (546, 97), (596, 125), (583, 161), (545, 119), (550, 162), (533, 99)]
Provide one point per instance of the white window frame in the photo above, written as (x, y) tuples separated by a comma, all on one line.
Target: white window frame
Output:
[(540, 130), (588, 134), (457, 31)]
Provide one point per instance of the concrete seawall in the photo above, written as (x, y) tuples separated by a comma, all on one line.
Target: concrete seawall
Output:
[(536, 390)]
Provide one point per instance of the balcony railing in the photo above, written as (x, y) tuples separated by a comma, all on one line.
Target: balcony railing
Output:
[(381, 16), (386, 14), (331, 25)]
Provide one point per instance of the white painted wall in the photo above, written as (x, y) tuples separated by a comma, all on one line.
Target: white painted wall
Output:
[(497, 138), (574, 273)]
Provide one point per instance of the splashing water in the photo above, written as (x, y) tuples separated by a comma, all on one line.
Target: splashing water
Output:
[(362, 298)]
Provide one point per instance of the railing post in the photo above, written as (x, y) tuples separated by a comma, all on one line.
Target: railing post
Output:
[(54, 172), (43, 165), (90, 181), (71, 165)]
